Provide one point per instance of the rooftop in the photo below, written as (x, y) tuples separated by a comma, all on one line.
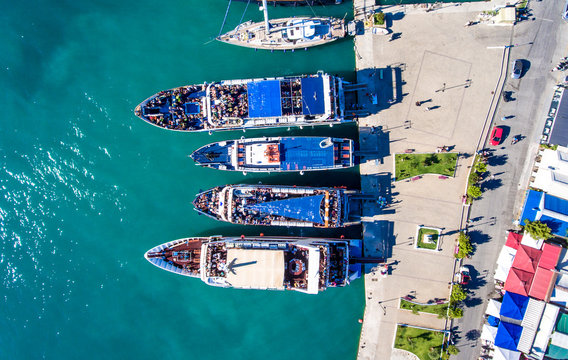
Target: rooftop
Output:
[(551, 175)]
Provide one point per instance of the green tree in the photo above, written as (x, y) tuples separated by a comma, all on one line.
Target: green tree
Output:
[(464, 246), (474, 191), (456, 312), (453, 350), (537, 230), (473, 178), (458, 295), (480, 167)]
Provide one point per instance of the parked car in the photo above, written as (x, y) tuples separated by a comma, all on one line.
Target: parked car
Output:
[(496, 136), (517, 69), (463, 276)]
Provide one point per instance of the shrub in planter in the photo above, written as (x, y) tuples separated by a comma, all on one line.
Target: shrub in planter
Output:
[(379, 18)]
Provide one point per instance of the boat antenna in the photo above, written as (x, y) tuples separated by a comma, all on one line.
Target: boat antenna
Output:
[(307, 2), (244, 12), (266, 23), (225, 18)]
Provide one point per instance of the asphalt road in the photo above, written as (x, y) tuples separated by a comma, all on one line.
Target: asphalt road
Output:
[(540, 43)]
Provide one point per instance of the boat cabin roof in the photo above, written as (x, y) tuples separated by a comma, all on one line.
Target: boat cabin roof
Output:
[(256, 268), (275, 98), (301, 29)]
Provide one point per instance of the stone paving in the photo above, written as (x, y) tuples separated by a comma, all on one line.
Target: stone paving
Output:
[(438, 60)]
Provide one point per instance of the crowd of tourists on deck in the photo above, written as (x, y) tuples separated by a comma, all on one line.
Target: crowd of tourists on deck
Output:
[(228, 101), (168, 108), (296, 271), (323, 267), (337, 264), (291, 95), (333, 209), (216, 260), (208, 202)]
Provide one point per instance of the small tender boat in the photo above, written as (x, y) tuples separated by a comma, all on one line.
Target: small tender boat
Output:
[(307, 265), (248, 104), (277, 154), (280, 205)]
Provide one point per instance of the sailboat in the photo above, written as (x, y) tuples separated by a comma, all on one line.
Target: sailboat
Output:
[(297, 2), (286, 33)]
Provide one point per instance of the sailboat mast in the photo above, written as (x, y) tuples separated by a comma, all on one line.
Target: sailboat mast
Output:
[(265, 9)]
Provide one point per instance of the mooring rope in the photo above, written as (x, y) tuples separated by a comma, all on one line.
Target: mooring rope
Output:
[(225, 19)]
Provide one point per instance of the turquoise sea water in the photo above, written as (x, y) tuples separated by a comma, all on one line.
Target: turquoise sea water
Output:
[(87, 188)]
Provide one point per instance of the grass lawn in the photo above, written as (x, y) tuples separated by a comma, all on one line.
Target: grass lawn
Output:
[(418, 341), (410, 165), (435, 236), (431, 309)]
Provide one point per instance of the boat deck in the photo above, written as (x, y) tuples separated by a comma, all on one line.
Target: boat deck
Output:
[(274, 205), (182, 256)]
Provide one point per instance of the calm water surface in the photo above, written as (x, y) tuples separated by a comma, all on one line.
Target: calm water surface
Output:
[(86, 189)]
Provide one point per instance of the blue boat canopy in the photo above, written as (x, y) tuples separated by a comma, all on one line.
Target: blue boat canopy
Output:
[(303, 208), (313, 98), (304, 153), (275, 98), (192, 108), (264, 98)]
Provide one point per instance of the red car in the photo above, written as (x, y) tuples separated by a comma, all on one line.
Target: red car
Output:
[(463, 276), (496, 136)]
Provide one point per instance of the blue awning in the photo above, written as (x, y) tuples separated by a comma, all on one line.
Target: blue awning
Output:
[(555, 204), (493, 321), (531, 208), (557, 227), (304, 153), (303, 208), (508, 335), (532, 211), (264, 99), (313, 97), (514, 306)]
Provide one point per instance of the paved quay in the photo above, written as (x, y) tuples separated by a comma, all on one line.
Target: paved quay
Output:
[(457, 70)]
